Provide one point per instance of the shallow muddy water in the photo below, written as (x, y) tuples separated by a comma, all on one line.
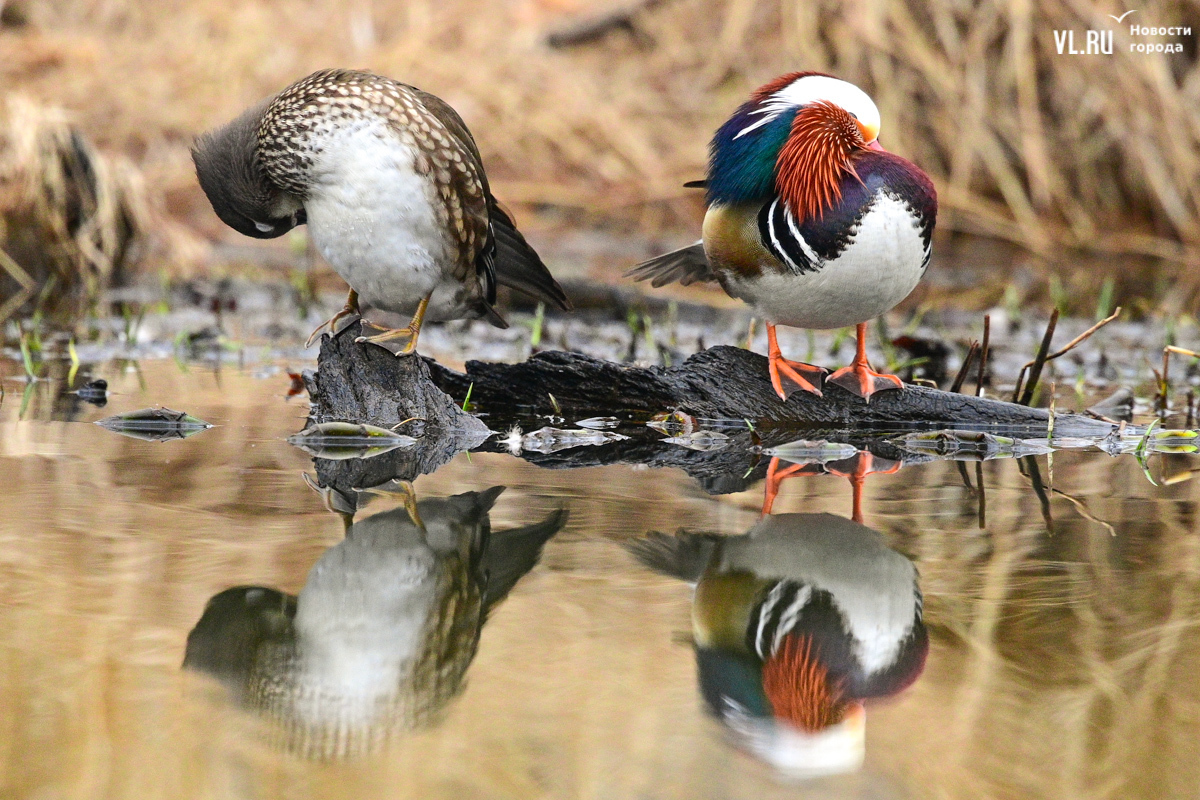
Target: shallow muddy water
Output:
[(522, 652)]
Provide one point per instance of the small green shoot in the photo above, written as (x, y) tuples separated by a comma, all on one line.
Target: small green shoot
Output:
[(749, 424), (539, 322), (27, 359), (74, 363), (838, 337), (466, 403), (885, 343), (302, 285), (1012, 303), (1105, 303), (26, 396), (554, 404), (1142, 450), (1058, 294), (164, 286)]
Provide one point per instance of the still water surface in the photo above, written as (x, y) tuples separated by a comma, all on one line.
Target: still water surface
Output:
[(544, 641)]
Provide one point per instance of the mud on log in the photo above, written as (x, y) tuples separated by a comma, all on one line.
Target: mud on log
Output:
[(366, 384)]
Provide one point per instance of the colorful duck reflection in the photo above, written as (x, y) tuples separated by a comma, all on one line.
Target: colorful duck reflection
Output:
[(380, 638), (796, 624)]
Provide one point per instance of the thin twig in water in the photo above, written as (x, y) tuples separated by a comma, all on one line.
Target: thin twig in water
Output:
[(1031, 471), (965, 369), (1036, 370), (982, 495), (983, 353), (1165, 386), (1038, 362), (1083, 511), (962, 473)]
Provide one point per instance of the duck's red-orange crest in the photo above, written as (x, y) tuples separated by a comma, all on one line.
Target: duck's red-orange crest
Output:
[(799, 686), (815, 157)]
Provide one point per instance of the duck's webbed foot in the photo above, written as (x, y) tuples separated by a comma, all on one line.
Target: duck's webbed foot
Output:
[(397, 341), (339, 321), (859, 378), (797, 374)]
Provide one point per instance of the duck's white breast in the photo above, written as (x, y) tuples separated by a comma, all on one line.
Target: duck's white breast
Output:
[(372, 216), (880, 266)]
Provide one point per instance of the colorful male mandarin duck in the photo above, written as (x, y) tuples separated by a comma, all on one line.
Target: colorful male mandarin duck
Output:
[(393, 190), (810, 221), (795, 624)]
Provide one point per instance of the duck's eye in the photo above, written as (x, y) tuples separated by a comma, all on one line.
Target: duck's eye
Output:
[(264, 227), (854, 115)]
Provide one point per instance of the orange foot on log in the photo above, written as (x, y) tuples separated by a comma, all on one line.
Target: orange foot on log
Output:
[(798, 374), (859, 378)]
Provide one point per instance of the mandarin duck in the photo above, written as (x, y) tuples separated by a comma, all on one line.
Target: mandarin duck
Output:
[(810, 221), (393, 190), (795, 624), (380, 637)]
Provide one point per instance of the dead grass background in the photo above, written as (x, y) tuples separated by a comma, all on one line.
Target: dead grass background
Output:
[(1057, 154)]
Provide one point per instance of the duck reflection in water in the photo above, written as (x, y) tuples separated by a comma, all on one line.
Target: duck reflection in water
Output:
[(380, 637), (795, 625)]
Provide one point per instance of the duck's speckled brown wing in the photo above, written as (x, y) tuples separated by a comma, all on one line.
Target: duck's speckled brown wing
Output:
[(505, 256), (489, 245)]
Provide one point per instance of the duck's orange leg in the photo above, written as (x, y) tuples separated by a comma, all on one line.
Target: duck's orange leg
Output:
[(804, 376), (775, 476), (859, 378), (864, 464)]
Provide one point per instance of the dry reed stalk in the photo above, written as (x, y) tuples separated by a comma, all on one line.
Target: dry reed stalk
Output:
[(67, 212)]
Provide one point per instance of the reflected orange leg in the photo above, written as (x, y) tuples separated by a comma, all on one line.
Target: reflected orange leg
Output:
[(775, 476), (805, 376), (865, 464), (859, 378)]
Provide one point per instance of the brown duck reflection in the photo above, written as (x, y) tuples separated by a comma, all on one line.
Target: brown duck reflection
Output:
[(380, 637), (796, 624)]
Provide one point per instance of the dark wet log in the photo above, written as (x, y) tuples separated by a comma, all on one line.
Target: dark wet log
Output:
[(728, 383), (364, 383)]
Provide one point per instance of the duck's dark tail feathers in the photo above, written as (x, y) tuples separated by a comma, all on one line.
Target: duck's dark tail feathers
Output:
[(684, 555), (687, 265), (518, 265)]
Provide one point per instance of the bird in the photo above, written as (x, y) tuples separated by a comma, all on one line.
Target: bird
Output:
[(795, 624), (392, 187), (380, 637), (809, 221)]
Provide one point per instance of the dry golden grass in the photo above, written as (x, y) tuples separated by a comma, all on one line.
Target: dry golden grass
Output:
[(1055, 153), (68, 215)]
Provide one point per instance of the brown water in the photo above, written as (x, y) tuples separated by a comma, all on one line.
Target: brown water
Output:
[(1063, 644)]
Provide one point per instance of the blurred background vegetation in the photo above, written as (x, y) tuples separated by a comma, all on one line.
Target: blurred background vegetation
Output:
[(1056, 174)]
